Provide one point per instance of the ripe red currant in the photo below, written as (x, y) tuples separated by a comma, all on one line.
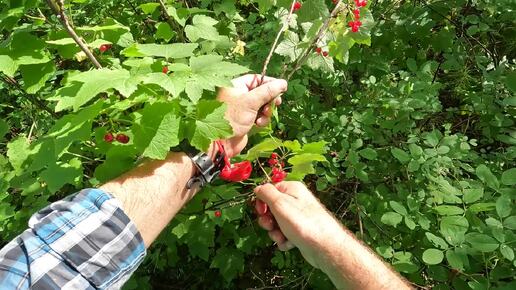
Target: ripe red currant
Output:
[(318, 50), (109, 137), (122, 138), (218, 213), (297, 6), (105, 47), (325, 53), (165, 69)]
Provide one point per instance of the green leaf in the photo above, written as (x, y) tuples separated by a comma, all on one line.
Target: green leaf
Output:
[(509, 177), (453, 229), (148, 8), (456, 258), (168, 51), (289, 47), (230, 262), (485, 174), (510, 223), (303, 165), (35, 75), (210, 125), (436, 241), (85, 86), (391, 218), (472, 194), (163, 31), (507, 252), (312, 10), (158, 130), (263, 149), (26, 48), (368, 153), (504, 206), (398, 207), (18, 151), (7, 65), (448, 210), (59, 174), (433, 256), (203, 28), (482, 242), (401, 155)]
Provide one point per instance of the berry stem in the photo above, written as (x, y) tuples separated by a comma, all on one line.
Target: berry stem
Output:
[(304, 56), (58, 9), (275, 44)]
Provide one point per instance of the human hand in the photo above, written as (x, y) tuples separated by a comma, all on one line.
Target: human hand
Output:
[(297, 219), (244, 101)]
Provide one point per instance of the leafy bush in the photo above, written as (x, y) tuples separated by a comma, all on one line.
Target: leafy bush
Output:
[(411, 120)]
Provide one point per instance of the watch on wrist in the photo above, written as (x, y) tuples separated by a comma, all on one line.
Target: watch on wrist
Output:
[(207, 169)]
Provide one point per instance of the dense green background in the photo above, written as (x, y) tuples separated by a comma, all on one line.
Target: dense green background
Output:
[(419, 125)]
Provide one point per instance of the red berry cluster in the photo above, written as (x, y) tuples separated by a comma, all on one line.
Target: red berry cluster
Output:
[(319, 50), (236, 172), (356, 23), (278, 174), (121, 138), (297, 6), (105, 47)]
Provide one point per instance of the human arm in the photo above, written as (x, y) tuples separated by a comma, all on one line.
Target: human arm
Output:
[(97, 238), (297, 219), (153, 193)]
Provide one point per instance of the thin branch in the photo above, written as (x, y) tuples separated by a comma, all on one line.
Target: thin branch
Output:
[(304, 56), (58, 9), (32, 98), (278, 36)]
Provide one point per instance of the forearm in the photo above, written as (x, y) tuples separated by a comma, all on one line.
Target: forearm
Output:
[(352, 265), (153, 193)]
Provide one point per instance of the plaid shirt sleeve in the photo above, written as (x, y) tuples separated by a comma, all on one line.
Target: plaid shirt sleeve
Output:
[(84, 241)]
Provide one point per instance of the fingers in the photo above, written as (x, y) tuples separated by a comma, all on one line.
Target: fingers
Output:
[(277, 236), (268, 193), (250, 81), (267, 92), (266, 222), (286, 246)]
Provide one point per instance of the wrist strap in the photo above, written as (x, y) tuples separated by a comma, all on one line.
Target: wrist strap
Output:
[(207, 169)]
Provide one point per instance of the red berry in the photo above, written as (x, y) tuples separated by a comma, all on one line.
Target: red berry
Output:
[(122, 138), (218, 213), (274, 155), (165, 69), (361, 3), (335, 1), (109, 137), (273, 162), (318, 50), (356, 12), (260, 207), (325, 53), (355, 25), (105, 47), (278, 175), (297, 6)]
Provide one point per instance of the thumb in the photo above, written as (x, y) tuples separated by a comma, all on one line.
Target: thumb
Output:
[(268, 193), (267, 92)]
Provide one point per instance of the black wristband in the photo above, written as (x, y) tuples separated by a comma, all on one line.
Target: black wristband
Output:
[(207, 169)]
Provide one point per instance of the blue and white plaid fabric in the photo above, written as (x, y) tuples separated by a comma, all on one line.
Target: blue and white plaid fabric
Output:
[(82, 242)]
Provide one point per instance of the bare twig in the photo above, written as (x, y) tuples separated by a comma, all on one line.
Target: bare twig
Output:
[(304, 56), (278, 36), (57, 7), (165, 12), (32, 98)]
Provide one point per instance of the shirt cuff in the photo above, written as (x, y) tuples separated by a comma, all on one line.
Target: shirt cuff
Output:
[(91, 232)]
